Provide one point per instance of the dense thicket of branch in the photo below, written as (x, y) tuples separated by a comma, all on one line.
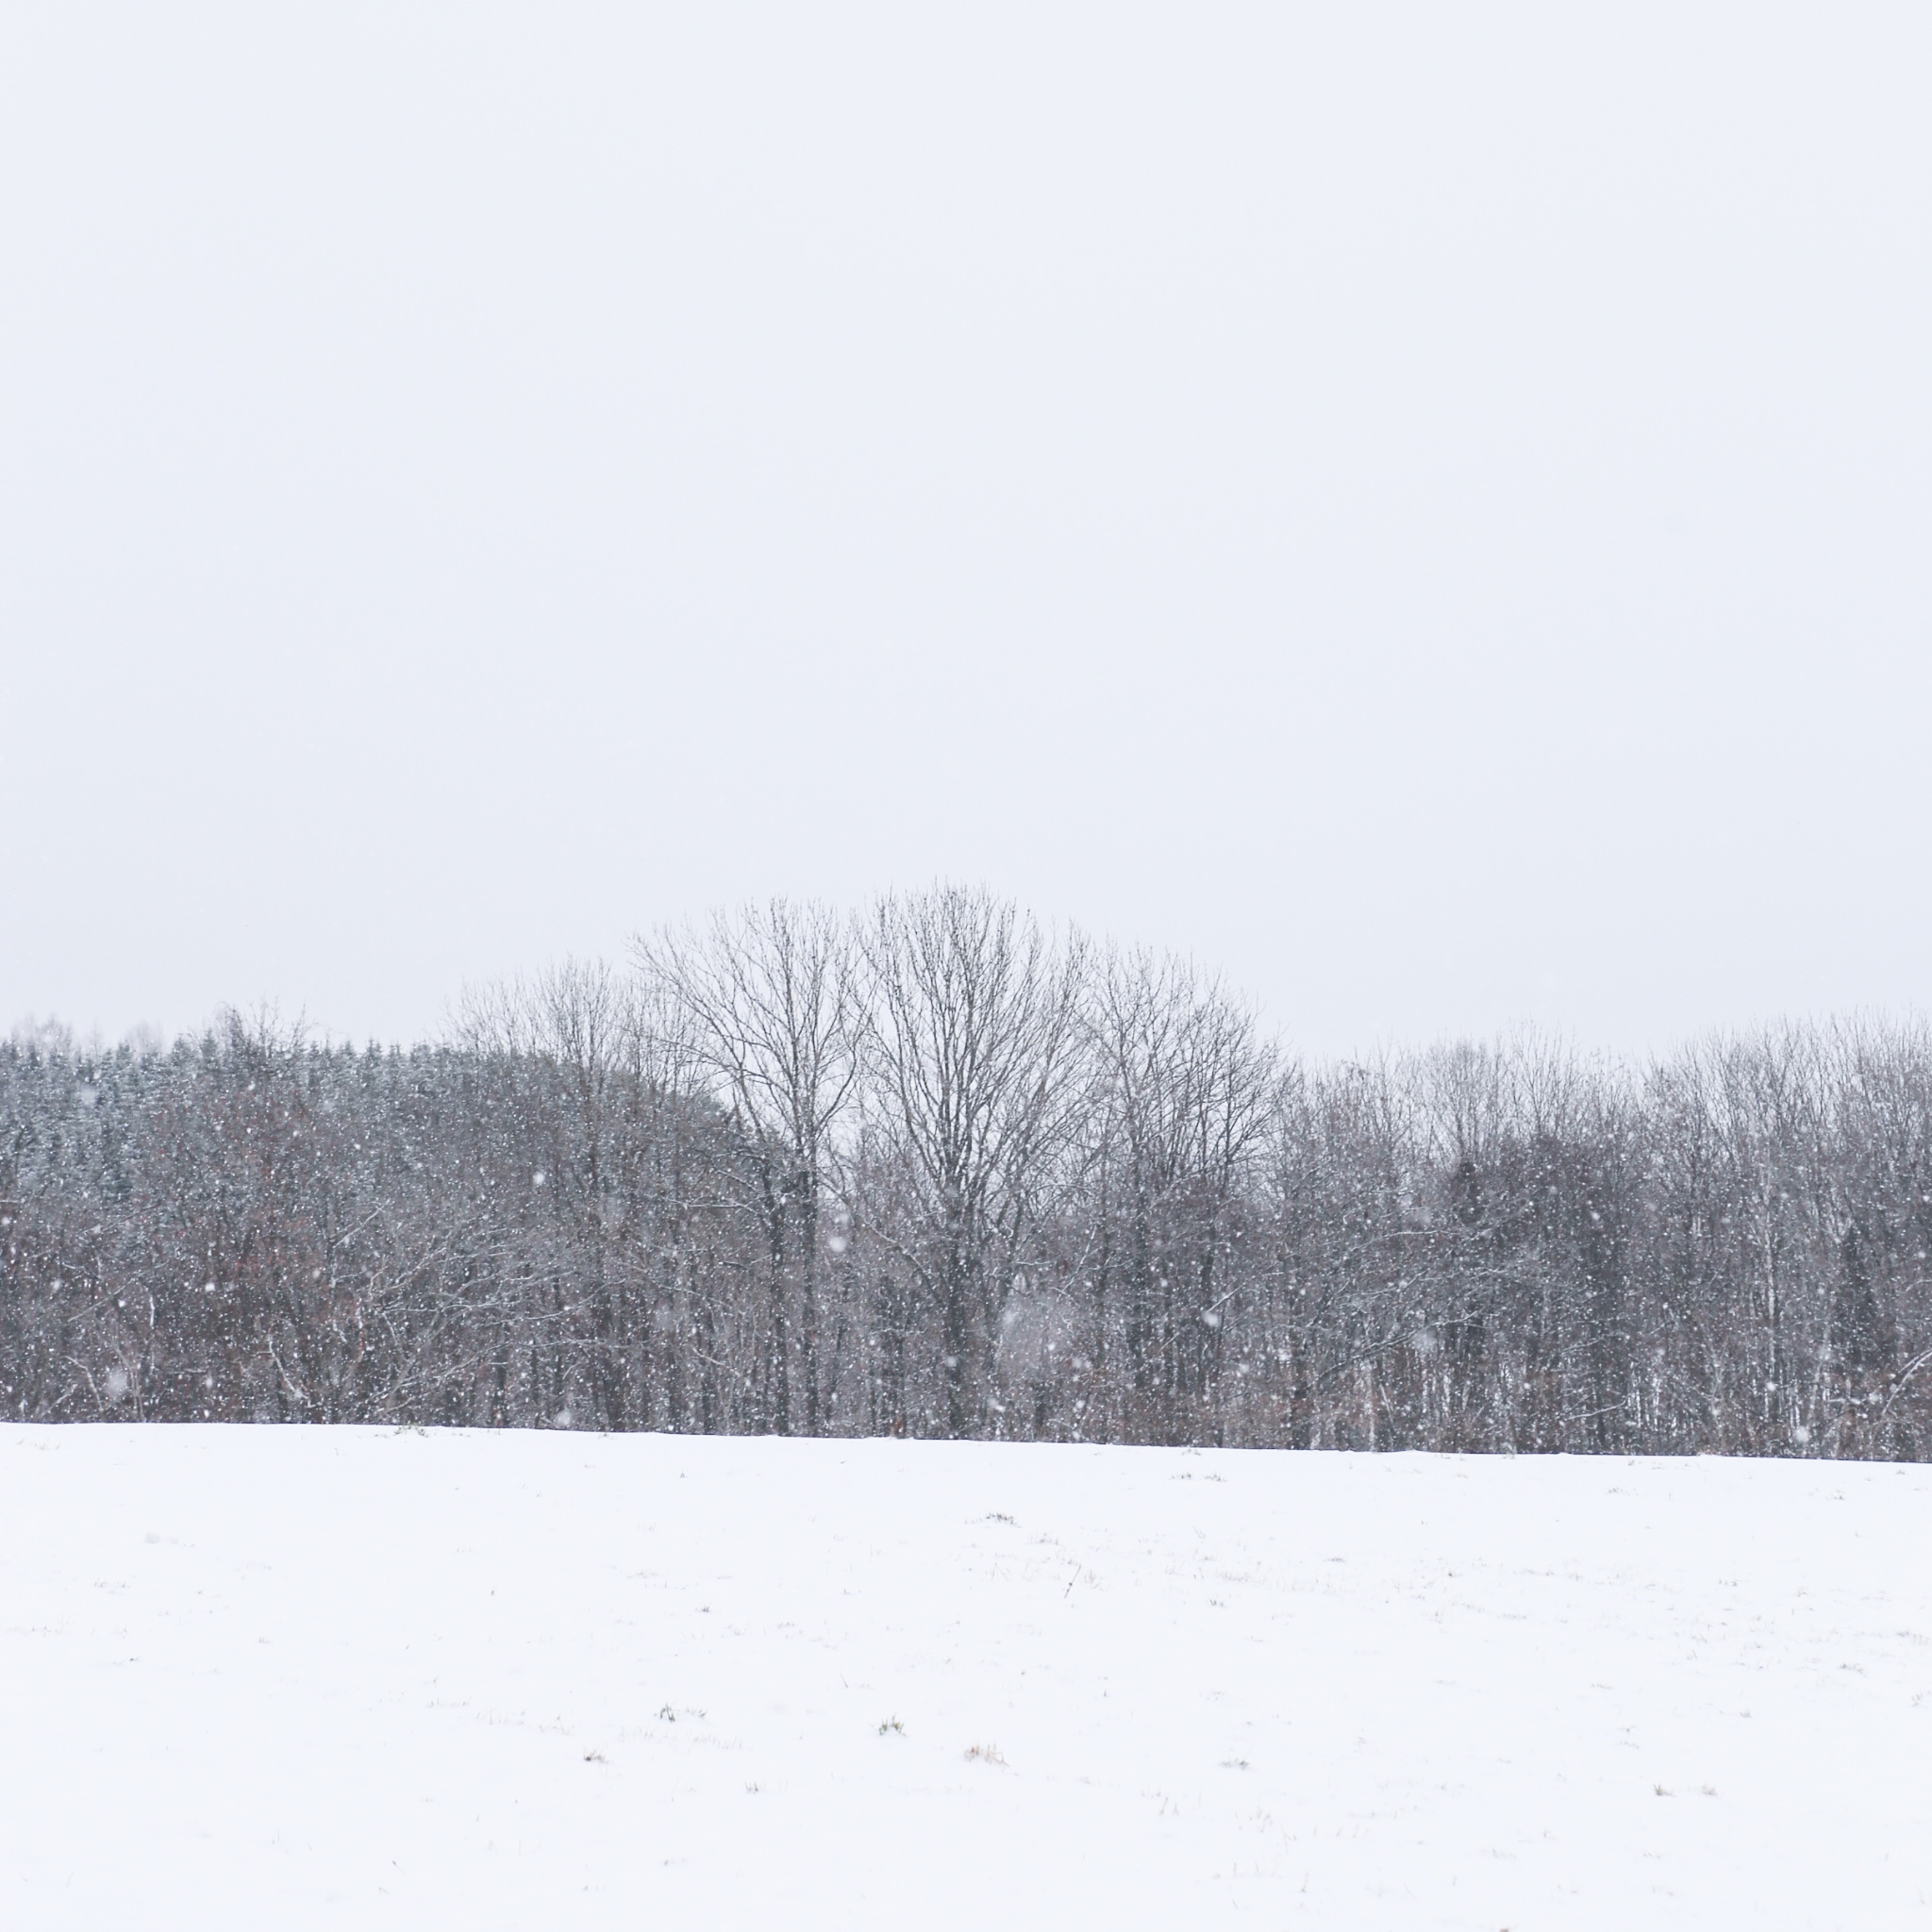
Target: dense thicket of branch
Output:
[(929, 1171)]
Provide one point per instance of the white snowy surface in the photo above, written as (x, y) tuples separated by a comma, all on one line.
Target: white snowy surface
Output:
[(294, 1677)]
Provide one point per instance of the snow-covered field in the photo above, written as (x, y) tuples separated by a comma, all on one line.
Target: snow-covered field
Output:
[(292, 1677)]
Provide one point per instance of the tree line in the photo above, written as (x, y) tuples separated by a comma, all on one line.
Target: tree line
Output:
[(934, 1169)]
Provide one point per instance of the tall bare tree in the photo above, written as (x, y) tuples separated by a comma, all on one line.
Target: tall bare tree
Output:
[(1187, 1081), (974, 1072), (770, 995)]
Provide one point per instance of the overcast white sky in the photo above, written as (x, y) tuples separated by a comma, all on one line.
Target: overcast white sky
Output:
[(1424, 508)]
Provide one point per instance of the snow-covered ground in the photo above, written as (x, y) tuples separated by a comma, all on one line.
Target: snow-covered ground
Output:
[(292, 1677)]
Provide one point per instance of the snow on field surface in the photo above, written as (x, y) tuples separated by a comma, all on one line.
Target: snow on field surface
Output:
[(298, 1677)]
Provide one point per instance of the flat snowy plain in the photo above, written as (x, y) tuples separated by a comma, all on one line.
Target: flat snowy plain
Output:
[(348, 1677)]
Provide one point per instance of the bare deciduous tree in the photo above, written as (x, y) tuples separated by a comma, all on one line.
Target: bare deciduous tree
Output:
[(973, 1052), (771, 999)]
